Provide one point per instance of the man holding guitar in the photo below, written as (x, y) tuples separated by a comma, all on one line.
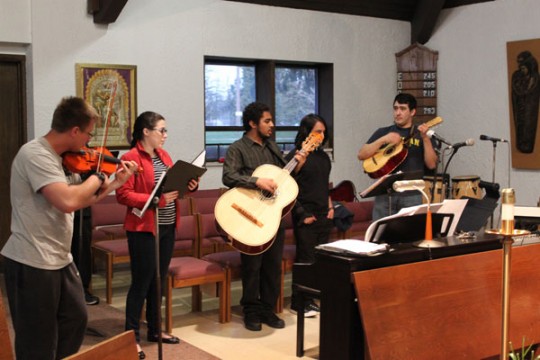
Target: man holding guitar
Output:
[(261, 273), (417, 153)]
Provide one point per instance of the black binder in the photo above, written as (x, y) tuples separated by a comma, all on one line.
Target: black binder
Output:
[(179, 175)]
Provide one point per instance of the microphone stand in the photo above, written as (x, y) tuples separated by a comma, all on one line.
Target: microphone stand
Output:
[(155, 202), (493, 171)]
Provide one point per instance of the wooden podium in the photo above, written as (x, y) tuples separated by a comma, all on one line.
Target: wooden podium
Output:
[(449, 308)]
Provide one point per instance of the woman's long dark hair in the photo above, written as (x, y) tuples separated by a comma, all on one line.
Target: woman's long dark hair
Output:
[(146, 120), (306, 126)]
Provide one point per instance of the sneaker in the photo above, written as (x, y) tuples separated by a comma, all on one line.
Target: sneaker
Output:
[(91, 299), (313, 306), (308, 313)]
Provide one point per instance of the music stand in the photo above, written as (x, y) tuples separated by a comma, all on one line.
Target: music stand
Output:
[(384, 184), (410, 228)]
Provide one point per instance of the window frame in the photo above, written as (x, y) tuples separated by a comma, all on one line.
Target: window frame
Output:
[(265, 71)]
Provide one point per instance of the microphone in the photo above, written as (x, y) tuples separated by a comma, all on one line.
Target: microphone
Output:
[(406, 185), (485, 137), (468, 142), (431, 134)]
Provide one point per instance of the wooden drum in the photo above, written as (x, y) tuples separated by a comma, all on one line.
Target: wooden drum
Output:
[(466, 186), (440, 189)]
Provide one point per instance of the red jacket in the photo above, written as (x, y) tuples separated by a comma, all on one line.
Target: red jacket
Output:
[(136, 191)]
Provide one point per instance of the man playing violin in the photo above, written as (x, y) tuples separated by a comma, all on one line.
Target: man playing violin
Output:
[(421, 153), (45, 293)]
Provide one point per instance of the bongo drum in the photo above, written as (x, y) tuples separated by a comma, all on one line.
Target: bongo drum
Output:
[(438, 195), (466, 186)]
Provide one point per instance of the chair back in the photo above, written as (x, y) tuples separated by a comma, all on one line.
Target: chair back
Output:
[(189, 231), (344, 191), (204, 205)]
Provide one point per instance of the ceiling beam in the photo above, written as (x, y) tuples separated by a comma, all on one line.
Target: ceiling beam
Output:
[(424, 20), (105, 11)]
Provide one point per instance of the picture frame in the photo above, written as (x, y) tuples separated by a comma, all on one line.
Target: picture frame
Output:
[(94, 84)]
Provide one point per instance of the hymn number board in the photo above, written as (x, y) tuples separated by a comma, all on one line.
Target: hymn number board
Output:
[(417, 75)]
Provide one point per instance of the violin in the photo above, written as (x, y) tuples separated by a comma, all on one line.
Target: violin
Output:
[(87, 159)]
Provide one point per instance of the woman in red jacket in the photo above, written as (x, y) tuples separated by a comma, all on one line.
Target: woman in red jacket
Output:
[(149, 135)]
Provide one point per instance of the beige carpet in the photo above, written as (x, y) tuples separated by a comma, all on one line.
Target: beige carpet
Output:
[(104, 321), (108, 321)]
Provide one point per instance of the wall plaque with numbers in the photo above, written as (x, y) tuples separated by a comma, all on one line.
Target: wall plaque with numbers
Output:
[(417, 75)]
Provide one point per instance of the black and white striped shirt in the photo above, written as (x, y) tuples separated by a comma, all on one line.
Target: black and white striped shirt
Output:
[(167, 214)]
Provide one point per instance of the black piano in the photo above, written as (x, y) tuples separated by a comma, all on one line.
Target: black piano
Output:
[(329, 278)]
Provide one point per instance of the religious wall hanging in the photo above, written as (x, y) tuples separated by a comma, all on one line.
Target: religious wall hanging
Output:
[(524, 96), (417, 75), (94, 84)]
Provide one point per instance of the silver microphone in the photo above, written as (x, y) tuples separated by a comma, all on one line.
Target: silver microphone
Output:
[(468, 142), (406, 185), (432, 135)]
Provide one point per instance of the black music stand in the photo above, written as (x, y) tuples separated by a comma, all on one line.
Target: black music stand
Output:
[(410, 228)]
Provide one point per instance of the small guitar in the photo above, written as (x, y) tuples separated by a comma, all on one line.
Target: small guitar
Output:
[(388, 157), (251, 217)]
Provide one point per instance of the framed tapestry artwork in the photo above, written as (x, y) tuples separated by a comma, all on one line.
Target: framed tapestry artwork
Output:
[(524, 96), (95, 84)]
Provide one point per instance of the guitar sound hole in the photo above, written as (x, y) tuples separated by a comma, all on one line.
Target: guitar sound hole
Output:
[(389, 150)]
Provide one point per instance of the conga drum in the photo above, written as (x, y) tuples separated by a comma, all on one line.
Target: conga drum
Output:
[(466, 186), (438, 194)]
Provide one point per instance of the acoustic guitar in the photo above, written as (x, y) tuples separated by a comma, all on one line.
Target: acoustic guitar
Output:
[(388, 157), (251, 217)]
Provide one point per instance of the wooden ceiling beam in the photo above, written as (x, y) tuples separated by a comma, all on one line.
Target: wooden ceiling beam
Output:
[(425, 16), (105, 11)]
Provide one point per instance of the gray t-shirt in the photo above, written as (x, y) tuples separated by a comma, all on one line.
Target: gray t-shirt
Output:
[(40, 233)]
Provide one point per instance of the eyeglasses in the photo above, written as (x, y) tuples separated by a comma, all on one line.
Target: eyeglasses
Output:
[(163, 131)]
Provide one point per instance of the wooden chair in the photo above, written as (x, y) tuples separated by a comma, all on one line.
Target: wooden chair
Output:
[(113, 252), (6, 349), (204, 205), (119, 347), (190, 271)]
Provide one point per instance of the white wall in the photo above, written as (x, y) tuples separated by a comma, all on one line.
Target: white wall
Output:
[(473, 86), (15, 21), (167, 40)]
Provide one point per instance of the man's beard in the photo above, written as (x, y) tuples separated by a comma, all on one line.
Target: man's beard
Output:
[(262, 136)]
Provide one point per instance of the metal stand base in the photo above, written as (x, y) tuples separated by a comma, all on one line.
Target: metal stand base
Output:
[(429, 244)]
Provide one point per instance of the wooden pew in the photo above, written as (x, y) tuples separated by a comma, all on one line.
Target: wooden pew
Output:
[(119, 347)]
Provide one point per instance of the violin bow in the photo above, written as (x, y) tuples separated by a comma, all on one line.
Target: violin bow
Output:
[(107, 122)]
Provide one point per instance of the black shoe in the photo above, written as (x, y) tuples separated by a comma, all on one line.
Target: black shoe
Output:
[(165, 340), (252, 322), (142, 355), (90, 299), (272, 320)]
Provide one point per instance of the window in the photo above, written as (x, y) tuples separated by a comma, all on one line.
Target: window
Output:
[(291, 89)]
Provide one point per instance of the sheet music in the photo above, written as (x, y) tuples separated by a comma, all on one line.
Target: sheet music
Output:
[(353, 246), (455, 207), (200, 159), (141, 212)]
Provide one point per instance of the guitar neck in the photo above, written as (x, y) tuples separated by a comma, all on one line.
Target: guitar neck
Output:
[(291, 165)]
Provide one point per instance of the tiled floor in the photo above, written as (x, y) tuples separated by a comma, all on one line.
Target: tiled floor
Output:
[(227, 341)]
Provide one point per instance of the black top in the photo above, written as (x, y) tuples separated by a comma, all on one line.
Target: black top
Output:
[(312, 179)]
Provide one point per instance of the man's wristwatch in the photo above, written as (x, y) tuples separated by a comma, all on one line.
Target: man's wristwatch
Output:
[(100, 176)]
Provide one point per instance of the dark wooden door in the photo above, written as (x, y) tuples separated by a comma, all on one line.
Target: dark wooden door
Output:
[(12, 129)]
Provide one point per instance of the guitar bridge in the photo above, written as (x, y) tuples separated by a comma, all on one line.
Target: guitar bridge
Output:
[(247, 215)]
